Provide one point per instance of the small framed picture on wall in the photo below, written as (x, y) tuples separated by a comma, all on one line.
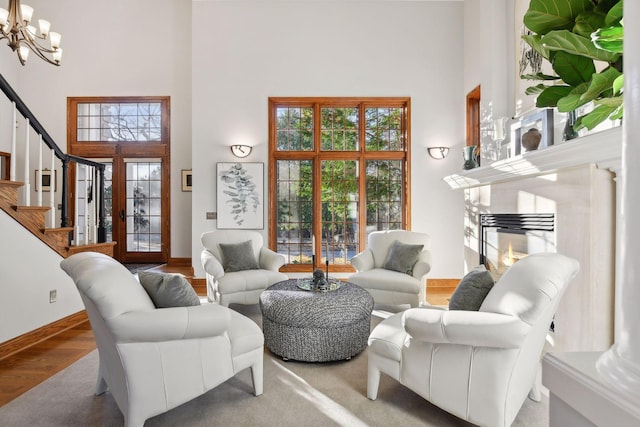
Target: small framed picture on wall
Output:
[(46, 180), (187, 179)]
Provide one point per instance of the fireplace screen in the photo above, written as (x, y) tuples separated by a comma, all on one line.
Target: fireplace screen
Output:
[(507, 238)]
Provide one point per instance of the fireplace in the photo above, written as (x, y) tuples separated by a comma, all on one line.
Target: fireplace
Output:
[(507, 238)]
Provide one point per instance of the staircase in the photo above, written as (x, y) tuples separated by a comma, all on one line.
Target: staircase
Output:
[(89, 232), (33, 219)]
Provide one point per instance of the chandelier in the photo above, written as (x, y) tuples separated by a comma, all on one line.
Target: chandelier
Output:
[(23, 37)]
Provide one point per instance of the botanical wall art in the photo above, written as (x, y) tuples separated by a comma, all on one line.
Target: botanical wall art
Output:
[(240, 195)]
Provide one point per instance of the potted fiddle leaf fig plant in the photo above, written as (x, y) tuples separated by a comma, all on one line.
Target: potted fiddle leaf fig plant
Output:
[(582, 40)]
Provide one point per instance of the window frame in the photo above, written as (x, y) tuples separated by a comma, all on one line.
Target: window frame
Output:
[(317, 155)]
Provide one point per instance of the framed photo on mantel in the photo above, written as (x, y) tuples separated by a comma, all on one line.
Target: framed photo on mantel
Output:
[(541, 122)]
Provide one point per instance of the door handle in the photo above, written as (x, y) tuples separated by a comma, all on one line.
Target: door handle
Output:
[(122, 215)]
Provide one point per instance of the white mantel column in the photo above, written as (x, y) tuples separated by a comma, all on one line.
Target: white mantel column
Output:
[(598, 389), (620, 365)]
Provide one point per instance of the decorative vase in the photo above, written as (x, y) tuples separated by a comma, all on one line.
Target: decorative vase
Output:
[(470, 157), (569, 132), (531, 139)]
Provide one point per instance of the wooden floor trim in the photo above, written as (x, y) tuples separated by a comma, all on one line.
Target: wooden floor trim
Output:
[(24, 341)]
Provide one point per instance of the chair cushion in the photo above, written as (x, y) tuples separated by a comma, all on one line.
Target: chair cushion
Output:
[(168, 290), (248, 280), (471, 291), (402, 257), (238, 257), (383, 279)]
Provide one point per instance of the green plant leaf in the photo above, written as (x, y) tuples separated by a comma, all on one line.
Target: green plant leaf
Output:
[(539, 76), (618, 84), (534, 40), (534, 90), (614, 14), (563, 40), (609, 38), (548, 15), (615, 101), (601, 82), (588, 22), (573, 69), (617, 114), (605, 5), (550, 96), (597, 116), (574, 99)]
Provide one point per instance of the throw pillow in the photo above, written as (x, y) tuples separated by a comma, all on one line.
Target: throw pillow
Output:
[(402, 257), (168, 290), (238, 257), (471, 291)]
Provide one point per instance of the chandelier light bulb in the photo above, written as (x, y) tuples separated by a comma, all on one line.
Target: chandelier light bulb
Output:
[(57, 56), (27, 13), (4, 14), (44, 27), (55, 38), (23, 53)]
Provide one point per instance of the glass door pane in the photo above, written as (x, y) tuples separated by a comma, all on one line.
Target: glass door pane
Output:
[(143, 206)]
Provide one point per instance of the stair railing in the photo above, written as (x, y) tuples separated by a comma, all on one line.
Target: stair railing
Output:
[(94, 228)]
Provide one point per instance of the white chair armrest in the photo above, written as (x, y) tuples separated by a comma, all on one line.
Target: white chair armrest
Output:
[(363, 261), (168, 324), (211, 264), (270, 260), (474, 328), (423, 265)]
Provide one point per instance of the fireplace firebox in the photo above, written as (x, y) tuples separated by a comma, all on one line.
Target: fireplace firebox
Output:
[(507, 238)]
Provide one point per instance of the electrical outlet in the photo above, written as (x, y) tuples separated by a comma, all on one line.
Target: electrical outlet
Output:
[(53, 295), (212, 215)]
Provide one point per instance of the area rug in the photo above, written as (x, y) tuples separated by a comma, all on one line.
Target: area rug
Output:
[(295, 394)]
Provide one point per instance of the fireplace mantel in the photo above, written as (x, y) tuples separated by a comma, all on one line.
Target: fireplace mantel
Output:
[(603, 149)]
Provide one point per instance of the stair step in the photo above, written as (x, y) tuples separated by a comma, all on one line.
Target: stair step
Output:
[(9, 192), (59, 235), (32, 216), (44, 209), (16, 184), (105, 248)]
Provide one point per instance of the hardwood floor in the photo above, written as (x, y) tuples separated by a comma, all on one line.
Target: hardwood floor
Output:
[(28, 368)]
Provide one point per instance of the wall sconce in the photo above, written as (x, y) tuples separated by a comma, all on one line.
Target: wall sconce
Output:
[(240, 150), (438, 153)]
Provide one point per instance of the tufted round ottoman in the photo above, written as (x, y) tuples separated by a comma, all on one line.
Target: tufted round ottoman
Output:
[(315, 326)]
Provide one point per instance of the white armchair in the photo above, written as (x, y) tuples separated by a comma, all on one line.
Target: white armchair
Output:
[(477, 365), (240, 287), (153, 360), (388, 286)]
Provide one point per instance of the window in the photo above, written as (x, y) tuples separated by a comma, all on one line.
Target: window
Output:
[(122, 121), (339, 170)]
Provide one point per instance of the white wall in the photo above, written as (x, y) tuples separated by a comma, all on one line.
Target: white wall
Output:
[(247, 51), (29, 270)]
